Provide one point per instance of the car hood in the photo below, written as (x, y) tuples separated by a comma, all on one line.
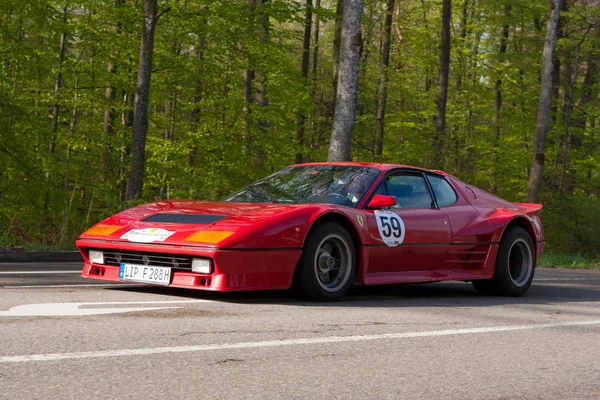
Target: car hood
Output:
[(203, 223)]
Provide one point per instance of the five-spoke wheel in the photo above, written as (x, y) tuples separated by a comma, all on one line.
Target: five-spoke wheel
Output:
[(326, 269), (332, 262)]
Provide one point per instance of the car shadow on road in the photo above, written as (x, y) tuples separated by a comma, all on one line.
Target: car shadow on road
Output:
[(442, 294)]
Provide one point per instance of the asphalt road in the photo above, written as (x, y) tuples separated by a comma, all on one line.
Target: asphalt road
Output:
[(435, 341)]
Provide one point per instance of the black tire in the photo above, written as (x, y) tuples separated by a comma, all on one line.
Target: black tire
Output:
[(514, 268), (326, 268)]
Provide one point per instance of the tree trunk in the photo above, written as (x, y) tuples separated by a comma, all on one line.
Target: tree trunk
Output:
[(249, 72), (316, 120), (66, 174), (383, 79), (110, 115), (261, 76), (54, 126), (561, 32), (58, 84), (543, 114), (109, 112), (305, 65), (440, 121), (127, 124), (109, 123), (430, 62), (568, 110), (316, 42), (463, 42), (581, 113), (337, 40), (72, 125), (195, 113), (57, 87), (248, 79), (498, 101), (261, 83), (140, 110), (306, 41), (340, 147)]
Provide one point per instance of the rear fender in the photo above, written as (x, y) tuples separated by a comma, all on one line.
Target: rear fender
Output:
[(533, 225)]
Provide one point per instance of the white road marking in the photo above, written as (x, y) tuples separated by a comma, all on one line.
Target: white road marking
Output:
[(72, 309), (284, 342), (39, 272), (564, 279), (61, 286)]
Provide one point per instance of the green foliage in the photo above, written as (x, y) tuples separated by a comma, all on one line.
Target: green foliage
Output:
[(550, 260), (571, 224), (204, 141)]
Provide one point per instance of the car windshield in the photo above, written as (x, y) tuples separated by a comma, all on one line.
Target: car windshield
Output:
[(343, 185)]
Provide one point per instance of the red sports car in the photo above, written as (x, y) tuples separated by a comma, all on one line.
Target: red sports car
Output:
[(324, 227)]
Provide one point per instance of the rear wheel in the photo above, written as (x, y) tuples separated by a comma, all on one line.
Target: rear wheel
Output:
[(514, 268), (326, 269)]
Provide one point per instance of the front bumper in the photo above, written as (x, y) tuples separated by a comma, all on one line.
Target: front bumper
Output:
[(233, 269)]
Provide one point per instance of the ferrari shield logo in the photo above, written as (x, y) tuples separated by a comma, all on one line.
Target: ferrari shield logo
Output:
[(360, 220)]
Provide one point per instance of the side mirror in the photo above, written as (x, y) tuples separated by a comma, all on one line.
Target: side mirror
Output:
[(382, 201)]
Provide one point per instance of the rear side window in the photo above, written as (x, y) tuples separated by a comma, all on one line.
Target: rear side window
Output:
[(444, 193)]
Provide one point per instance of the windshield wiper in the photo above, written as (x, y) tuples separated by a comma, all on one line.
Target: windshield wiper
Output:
[(260, 191)]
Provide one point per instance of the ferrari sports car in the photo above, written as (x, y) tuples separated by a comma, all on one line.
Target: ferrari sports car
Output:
[(322, 228)]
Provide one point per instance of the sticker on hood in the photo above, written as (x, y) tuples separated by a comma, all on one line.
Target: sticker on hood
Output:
[(147, 235), (390, 226)]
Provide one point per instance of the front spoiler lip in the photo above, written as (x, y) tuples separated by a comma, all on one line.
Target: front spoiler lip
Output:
[(180, 279)]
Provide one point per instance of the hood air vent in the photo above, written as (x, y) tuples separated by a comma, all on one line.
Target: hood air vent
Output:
[(185, 218)]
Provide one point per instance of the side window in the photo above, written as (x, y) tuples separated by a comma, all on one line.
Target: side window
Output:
[(444, 193), (410, 190)]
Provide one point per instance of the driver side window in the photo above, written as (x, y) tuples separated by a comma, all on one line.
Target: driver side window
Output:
[(410, 190)]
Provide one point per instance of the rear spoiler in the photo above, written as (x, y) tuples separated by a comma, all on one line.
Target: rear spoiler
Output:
[(530, 208)]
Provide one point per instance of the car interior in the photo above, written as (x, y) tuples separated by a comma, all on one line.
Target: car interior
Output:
[(410, 191)]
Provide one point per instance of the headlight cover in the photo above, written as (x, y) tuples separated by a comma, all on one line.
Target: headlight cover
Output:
[(96, 257), (202, 265)]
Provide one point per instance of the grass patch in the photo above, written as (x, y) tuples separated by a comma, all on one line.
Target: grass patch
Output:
[(568, 261)]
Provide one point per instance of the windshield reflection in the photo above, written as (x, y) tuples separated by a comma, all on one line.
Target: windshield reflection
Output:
[(343, 185)]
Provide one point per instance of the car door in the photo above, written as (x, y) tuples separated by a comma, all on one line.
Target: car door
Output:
[(412, 236), (468, 250)]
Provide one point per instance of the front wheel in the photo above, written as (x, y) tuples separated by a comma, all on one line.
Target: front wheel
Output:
[(514, 268), (326, 269)]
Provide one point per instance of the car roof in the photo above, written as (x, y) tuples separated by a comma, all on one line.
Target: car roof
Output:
[(380, 166)]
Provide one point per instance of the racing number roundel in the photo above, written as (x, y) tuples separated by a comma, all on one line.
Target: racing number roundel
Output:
[(391, 227)]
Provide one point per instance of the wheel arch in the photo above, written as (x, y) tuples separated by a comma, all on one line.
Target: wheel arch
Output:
[(523, 222), (339, 219), (345, 222)]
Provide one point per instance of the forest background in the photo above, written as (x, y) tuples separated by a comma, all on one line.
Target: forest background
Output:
[(237, 89)]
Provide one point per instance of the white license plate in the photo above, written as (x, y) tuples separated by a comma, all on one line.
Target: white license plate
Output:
[(145, 274)]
